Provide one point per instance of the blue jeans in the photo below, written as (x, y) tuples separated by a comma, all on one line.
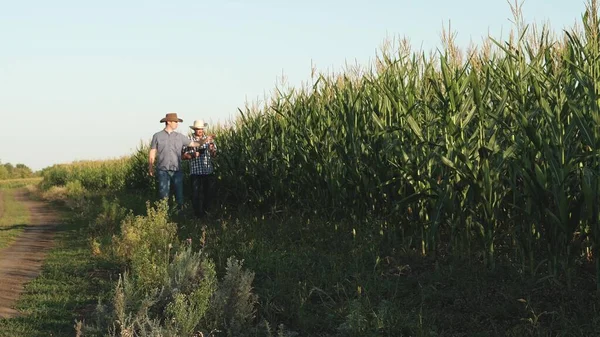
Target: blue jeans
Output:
[(165, 178)]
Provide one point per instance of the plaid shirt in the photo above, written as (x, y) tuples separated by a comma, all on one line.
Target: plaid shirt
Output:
[(202, 165)]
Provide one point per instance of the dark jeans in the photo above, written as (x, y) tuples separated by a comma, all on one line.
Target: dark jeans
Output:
[(203, 191), (165, 178)]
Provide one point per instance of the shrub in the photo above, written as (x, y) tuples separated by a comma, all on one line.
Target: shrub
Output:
[(232, 305), (145, 243), (110, 216), (190, 284)]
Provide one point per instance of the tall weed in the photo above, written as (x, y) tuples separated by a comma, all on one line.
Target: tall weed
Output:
[(145, 243), (233, 303)]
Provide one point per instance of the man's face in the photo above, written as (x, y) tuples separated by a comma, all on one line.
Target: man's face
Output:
[(174, 124), (199, 132)]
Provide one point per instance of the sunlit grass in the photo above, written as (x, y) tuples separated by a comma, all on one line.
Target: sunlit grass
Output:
[(16, 183), (14, 217)]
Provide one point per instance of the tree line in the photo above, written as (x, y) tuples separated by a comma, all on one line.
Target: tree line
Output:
[(10, 171)]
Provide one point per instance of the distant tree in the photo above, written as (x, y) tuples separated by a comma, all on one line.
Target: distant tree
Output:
[(22, 171), (8, 171), (3, 173), (9, 167)]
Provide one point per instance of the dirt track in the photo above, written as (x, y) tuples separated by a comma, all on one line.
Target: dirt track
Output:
[(22, 261)]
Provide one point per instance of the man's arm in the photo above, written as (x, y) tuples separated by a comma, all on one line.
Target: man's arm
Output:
[(151, 159), (212, 148), (191, 143), (190, 153), (186, 155), (197, 143)]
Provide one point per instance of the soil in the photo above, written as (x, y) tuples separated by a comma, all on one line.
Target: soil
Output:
[(22, 261)]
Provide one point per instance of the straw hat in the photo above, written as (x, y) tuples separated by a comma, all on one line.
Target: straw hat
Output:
[(198, 124), (171, 117)]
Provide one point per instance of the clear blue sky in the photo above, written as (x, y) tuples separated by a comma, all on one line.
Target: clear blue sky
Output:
[(84, 80)]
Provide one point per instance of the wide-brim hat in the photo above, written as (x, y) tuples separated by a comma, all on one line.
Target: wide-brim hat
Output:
[(198, 124), (171, 117)]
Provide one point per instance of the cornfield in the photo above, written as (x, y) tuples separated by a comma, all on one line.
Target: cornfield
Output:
[(93, 175), (471, 151)]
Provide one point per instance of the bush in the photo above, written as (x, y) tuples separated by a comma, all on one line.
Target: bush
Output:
[(190, 284), (233, 303), (190, 302), (108, 219), (145, 243), (105, 226)]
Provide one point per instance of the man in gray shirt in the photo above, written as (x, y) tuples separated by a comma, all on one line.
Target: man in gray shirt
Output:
[(165, 154)]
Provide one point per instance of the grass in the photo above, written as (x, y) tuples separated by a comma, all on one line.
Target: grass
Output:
[(319, 279), (21, 182), (68, 287), (322, 282), (13, 217)]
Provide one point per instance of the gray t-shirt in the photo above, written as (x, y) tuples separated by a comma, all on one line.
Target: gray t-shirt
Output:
[(168, 149)]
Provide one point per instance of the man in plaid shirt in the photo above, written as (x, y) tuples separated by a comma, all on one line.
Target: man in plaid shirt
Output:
[(201, 169)]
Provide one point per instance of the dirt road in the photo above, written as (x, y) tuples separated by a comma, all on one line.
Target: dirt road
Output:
[(22, 261)]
